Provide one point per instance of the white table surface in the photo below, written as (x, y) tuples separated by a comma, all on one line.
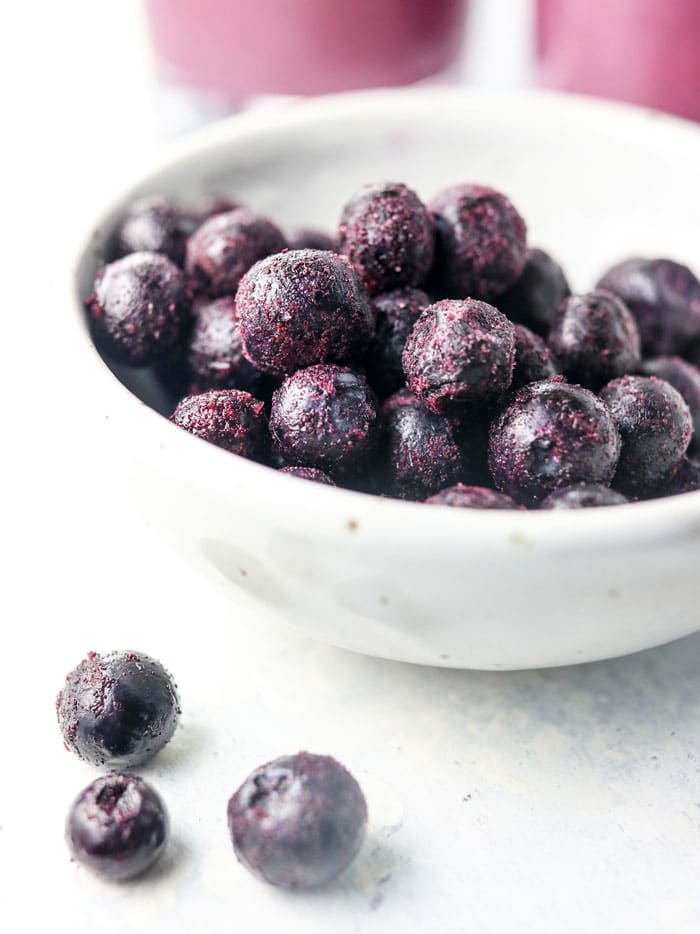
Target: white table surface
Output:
[(548, 801)]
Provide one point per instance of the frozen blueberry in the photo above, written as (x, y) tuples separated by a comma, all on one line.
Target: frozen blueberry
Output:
[(117, 709), (297, 821), (215, 354), (663, 296), (655, 424), (686, 479), (151, 225), (594, 339), (308, 473), (536, 294), (533, 359), (396, 313), (422, 452), (117, 827), (583, 496), (552, 435), (229, 418), (225, 246), (326, 417), (684, 377), (140, 308), (459, 353), (481, 242), (387, 234), (302, 307), (307, 238), (472, 497)]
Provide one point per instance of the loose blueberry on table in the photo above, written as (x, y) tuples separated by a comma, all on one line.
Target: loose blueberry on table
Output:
[(445, 314)]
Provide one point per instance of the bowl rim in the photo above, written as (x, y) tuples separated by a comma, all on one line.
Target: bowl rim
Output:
[(332, 508)]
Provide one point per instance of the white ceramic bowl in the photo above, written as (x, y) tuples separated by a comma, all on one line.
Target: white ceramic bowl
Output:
[(475, 589)]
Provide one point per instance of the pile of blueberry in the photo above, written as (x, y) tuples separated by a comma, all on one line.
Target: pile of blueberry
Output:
[(424, 352), (294, 822)]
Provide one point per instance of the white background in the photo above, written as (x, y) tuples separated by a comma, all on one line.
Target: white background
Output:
[(540, 802)]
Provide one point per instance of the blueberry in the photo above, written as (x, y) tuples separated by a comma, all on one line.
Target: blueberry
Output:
[(663, 296), (684, 377), (480, 242), (594, 339), (326, 417), (151, 225), (583, 496), (686, 479), (298, 821), (536, 294), (396, 313), (140, 309), (387, 234), (117, 827), (655, 424), (118, 709), (533, 359), (472, 497), (224, 247), (307, 238), (302, 307), (552, 435), (308, 473), (459, 353), (422, 452), (229, 418)]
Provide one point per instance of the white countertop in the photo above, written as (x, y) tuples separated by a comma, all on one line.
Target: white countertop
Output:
[(551, 801)]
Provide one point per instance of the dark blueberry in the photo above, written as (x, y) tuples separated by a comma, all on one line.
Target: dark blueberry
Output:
[(215, 355), (655, 424), (308, 238), (396, 313), (536, 294), (140, 309), (533, 359), (302, 307), (117, 827), (224, 247), (663, 296), (151, 225), (481, 242), (583, 496), (326, 417), (117, 709), (422, 452), (298, 821), (686, 479), (229, 418), (552, 435), (472, 497), (308, 473), (459, 353), (387, 234), (594, 339), (684, 377)]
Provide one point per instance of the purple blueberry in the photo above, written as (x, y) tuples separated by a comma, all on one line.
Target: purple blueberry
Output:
[(229, 418), (387, 234), (396, 313), (583, 496), (663, 296), (302, 307), (307, 238), (215, 354), (225, 246), (117, 827), (422, 452), (655, 424), (533, 359), (297, 821), (151, 225), (594, 339), (480, 242), (684, 377), (535, 296), (117, 709), (459, 353), (552, 435), (308, 473), (472, 497), (326, 417), (140, 309)]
